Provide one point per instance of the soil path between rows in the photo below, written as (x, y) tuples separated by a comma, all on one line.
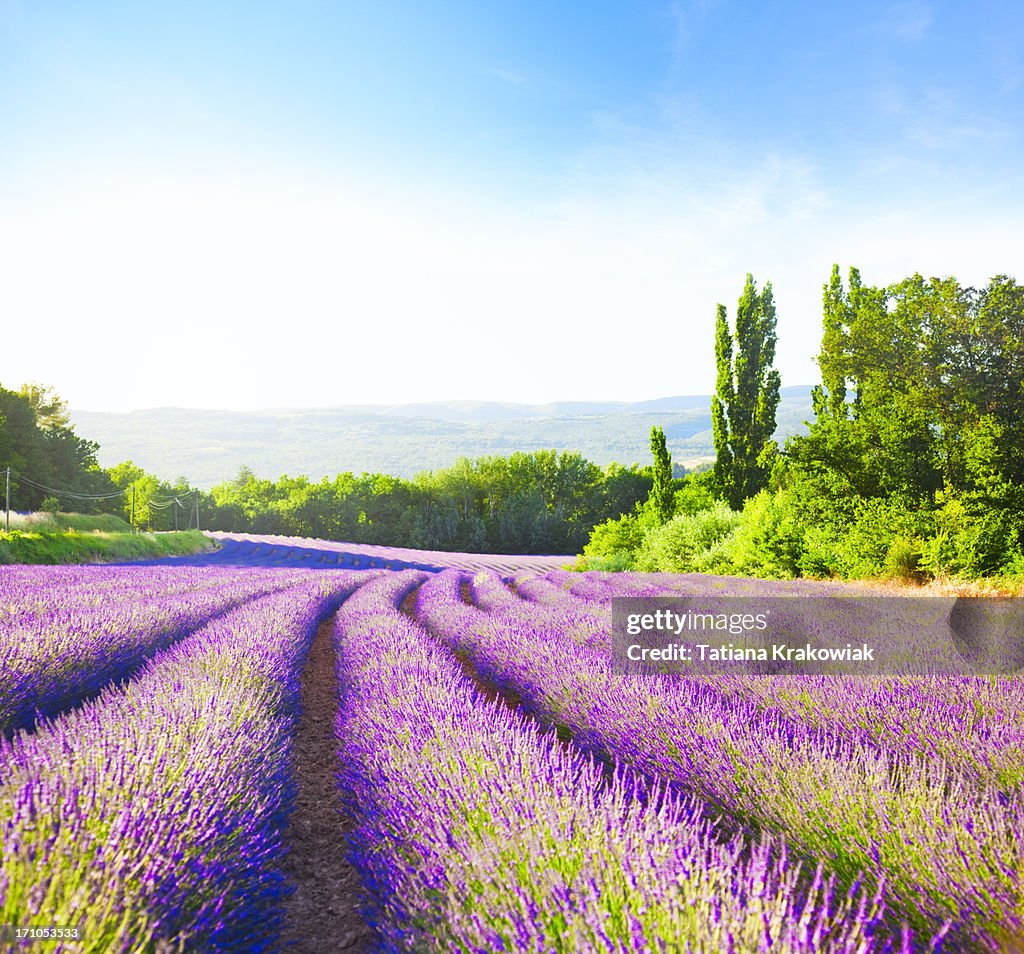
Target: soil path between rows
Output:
[(323, 912)]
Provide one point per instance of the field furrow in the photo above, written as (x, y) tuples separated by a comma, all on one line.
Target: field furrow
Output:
[(151, 818), (973, 723), (65, 639), (479, 832), (942, 848)]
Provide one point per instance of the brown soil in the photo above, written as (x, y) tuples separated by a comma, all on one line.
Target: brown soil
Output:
[(486, 687), (408, 606), (323, 912)]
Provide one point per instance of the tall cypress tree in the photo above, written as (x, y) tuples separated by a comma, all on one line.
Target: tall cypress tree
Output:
[(662, 495), (829, 398), (747, 394)]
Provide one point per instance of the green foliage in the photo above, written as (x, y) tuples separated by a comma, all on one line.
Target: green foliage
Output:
[(139, 488), (615, 562), (695, 492), (622, 487), (33, 546), (903, 559), (615, 544), (680, 545), (617, 536), (662, 494), (937, 374), (768, 539), (914, 462), (42, 450), (913, 466), (884, 539), (541, 502), (42, 521), (746, 395), (973, 540)]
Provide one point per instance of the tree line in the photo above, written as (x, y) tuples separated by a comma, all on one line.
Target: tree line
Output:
[(540, 502), (913, 465)]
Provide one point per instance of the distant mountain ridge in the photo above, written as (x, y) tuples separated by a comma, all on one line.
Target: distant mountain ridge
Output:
[(499, 411), (209, 447)]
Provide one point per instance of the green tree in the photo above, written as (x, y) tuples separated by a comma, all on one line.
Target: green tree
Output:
[(43, 451), (623, 488), (662, 493), (829, 397), (139, 488), (893, 348), (50, 410), (747, 394)]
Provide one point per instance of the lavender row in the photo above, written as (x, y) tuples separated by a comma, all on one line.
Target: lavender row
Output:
[(151, 818), (65, 639), (479, 833), (603, 586), (545, 592), (563, 596), (942, 849), (585, 591), (974, 723)]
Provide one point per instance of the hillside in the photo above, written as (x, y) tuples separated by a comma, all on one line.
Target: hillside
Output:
[(210, 446)]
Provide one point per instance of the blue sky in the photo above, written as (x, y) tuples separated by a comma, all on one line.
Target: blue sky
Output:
[(299, 204)]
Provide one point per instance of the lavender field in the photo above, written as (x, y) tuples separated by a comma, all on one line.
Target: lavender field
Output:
[(495, 782)]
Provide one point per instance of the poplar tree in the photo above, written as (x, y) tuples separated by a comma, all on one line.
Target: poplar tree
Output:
[(747, 394), (829, 398), (662, 495)]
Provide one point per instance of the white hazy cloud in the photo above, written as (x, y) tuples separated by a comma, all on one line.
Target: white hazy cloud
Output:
[(260, 289)]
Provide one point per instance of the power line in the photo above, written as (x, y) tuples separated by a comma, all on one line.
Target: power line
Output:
[(65, 493), (190, 502)]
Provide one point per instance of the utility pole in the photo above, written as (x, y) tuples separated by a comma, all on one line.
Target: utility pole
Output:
[(196, 492), (7, 501), (176, 505), (133, 508)]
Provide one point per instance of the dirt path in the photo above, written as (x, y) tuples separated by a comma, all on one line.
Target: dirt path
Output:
[(323, 913)]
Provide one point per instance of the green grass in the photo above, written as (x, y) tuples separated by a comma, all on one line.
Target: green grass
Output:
[(82, 522), (96, 546)]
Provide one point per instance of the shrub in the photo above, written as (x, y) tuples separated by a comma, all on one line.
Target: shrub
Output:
[(678, 546), (885, 539), (769, 538), (615, 562), (695, 494), (972, 540), (820, 555), (718, 557), (616, 535), (903, 558)]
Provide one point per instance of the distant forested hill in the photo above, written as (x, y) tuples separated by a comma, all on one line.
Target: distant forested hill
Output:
[(211, 446)]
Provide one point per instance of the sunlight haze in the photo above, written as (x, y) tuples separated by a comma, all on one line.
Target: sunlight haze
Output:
[(261, 205)]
